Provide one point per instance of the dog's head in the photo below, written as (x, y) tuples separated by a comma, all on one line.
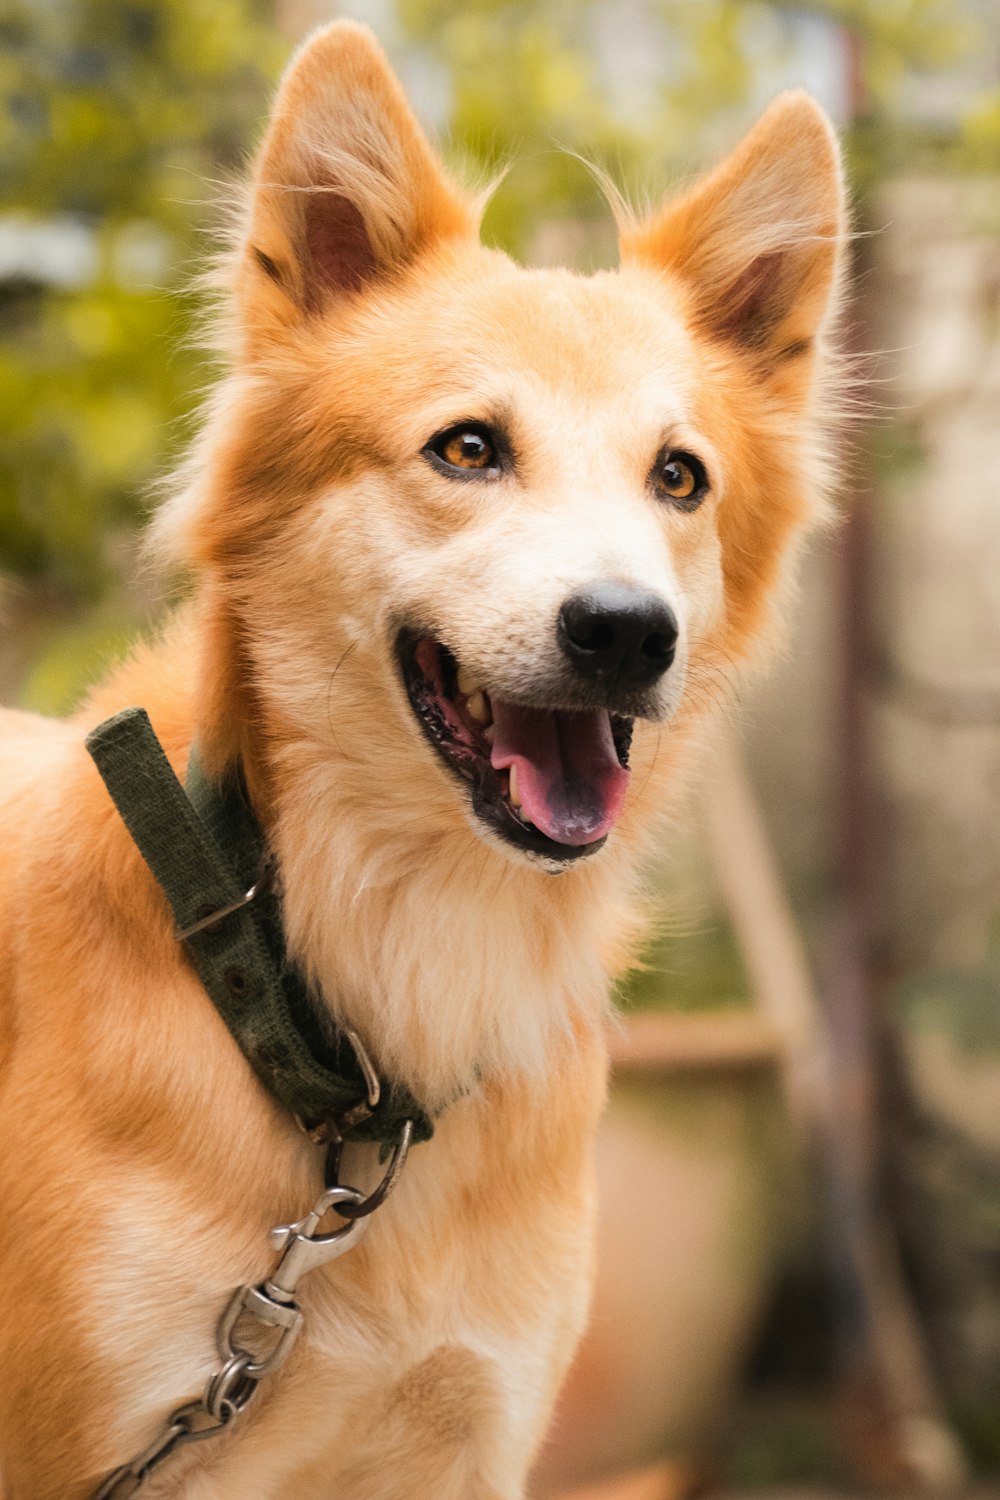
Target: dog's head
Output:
[(478, 533)]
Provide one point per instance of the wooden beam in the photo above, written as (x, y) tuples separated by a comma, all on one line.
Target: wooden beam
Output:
[(740, 1040), (766, 931)]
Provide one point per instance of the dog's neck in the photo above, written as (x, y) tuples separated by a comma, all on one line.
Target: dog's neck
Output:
[(453, 962)]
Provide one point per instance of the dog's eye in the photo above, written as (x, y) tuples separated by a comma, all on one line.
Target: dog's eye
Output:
[(680, 478), (469, 447), (468, 450)]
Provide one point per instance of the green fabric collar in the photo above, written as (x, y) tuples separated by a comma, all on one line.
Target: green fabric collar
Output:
[(206, 850)]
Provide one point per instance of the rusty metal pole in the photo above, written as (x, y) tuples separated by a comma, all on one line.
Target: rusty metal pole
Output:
[(881, 1351)]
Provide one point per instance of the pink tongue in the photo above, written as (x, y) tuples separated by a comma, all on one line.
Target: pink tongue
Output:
[(569, 778)]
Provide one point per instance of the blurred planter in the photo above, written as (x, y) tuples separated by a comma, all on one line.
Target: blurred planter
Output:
[(696, 1177)]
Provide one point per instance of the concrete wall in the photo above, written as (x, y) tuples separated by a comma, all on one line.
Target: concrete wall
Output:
[(935, 675), (936, 700)]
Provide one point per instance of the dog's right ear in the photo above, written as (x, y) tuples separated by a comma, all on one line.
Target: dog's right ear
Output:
[(346, 188)]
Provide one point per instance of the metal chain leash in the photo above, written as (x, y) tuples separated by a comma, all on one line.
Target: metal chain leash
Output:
[(268, 1307)]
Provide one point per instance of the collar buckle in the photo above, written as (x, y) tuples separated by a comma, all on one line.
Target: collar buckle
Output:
[(335, 1129)]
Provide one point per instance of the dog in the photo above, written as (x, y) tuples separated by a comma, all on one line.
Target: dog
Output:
[(475, 550)]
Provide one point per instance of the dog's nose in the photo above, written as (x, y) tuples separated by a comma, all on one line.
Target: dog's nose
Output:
[(618, 634)]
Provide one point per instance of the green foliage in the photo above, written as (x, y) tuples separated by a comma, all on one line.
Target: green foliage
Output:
[(75, 652), (115, 114), (978, 1422), (962, 1006), (700, 969), (526, 79), (791, 1446)]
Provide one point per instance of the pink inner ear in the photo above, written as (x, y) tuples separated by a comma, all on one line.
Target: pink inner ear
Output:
[(755, 301), (340, 251)]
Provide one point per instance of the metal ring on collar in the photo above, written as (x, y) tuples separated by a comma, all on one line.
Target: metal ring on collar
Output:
[(397, 1162)]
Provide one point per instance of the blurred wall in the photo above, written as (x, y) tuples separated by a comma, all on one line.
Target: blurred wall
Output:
[(936, 696), (928, 465)]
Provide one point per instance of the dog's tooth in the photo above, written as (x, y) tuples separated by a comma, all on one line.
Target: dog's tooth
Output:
[(515, 800), (465, 682), (477, 707), (488, 733)]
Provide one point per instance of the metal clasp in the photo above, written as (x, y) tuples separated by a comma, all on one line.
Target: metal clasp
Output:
[(272, 1304), (304, 1250)]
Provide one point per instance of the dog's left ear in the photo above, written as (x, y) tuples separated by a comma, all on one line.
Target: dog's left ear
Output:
[(346, 188), (756, 243)]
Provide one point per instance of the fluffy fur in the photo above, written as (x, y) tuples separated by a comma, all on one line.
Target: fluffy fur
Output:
[(144, 1164)]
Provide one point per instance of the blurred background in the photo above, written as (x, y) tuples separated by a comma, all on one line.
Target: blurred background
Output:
[(800, 1260)]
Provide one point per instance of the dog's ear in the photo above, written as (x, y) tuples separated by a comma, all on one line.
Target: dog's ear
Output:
[(345, 188), (757, 241)]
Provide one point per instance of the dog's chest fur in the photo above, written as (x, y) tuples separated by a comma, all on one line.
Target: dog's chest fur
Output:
[(443, 1327)]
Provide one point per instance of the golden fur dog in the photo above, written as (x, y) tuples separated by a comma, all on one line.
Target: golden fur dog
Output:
[(434, 488)]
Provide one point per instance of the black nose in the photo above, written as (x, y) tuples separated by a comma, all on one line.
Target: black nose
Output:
[(618, 635)]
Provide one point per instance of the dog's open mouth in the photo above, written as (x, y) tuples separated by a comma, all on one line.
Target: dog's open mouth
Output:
[(551, 781)]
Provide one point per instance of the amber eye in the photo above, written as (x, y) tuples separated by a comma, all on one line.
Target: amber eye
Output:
[(680, 477), (469, 447), (468, 450)]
